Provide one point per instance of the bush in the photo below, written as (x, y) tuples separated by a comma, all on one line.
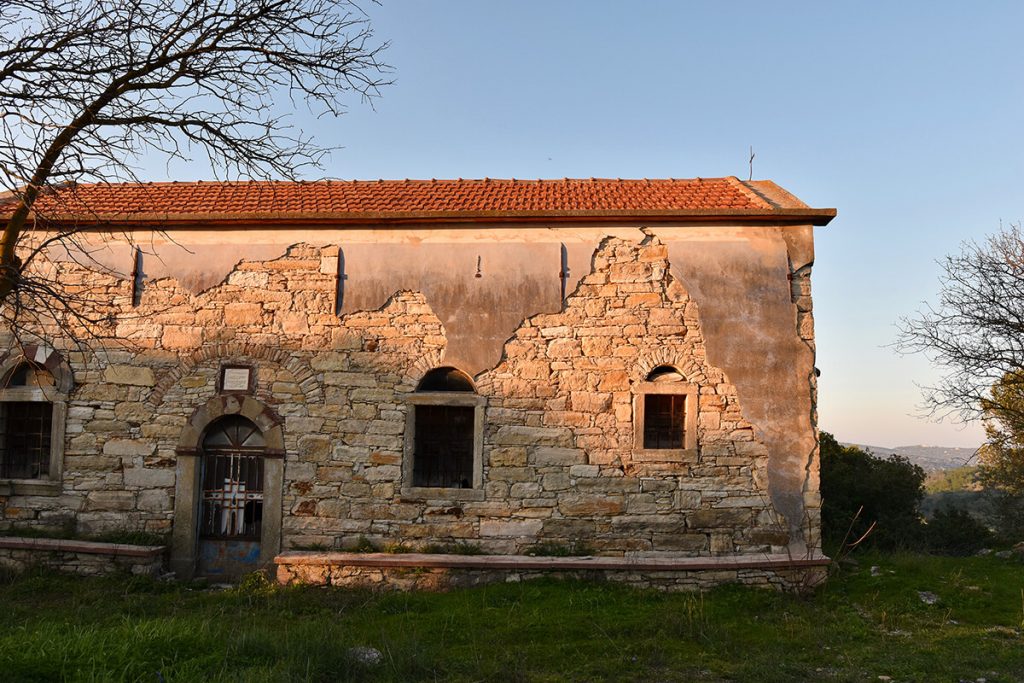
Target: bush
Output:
[(886, 491), (1007, 516), (554, 549), (953, 531)]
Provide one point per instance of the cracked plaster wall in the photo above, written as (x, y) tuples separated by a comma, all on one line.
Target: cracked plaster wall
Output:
[(752, 326)]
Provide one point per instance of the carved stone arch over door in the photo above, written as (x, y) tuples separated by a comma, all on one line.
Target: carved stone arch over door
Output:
[(203, 428)]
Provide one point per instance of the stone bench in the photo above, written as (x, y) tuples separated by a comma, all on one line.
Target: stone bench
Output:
[(416, 571), (80, 557)]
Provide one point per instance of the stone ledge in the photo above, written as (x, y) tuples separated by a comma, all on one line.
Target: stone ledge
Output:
[(526, 562), (29, 487), (74, 546)]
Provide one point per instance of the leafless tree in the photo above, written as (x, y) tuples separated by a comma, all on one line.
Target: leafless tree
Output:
[(976, 330), (87, 87)]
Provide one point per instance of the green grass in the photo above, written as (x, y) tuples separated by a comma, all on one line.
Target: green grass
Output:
[(857, 628)]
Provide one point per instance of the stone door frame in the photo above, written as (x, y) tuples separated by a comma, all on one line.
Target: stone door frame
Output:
[(185, 531)]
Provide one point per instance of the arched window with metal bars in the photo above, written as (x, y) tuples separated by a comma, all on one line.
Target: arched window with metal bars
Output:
[(233, 451)]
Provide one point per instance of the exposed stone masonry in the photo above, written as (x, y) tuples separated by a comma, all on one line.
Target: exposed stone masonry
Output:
[(559, 460)]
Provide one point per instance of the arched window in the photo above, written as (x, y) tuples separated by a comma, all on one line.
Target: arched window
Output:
[(443, 437), (665, 416), (446, 379), (232, 504), (31, 422)]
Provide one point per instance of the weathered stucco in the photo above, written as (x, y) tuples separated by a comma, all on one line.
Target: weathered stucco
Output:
[(728, 306)]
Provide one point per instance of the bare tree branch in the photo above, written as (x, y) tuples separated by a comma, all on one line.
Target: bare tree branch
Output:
[(975, 332), (87, 87)]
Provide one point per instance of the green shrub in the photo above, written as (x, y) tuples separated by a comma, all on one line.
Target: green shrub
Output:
[(125, 537), (459, 548), (1007, 516), (953, 531), (860, 490), (364, 545), (552, 549)]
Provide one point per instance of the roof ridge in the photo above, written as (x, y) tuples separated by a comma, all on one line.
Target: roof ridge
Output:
[(334, 181), (757, 197)]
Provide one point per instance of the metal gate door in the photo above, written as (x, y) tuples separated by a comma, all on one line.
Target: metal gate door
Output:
[(231, 502)]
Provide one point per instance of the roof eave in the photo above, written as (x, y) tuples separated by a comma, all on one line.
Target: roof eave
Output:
[(788, 216)]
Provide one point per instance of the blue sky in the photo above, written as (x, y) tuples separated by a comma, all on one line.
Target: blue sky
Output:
[(904, 116)]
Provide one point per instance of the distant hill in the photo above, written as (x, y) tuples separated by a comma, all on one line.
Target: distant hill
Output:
[(930, 458)]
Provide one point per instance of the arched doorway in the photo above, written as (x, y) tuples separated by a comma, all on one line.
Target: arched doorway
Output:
[(230, 480), (233, 453)]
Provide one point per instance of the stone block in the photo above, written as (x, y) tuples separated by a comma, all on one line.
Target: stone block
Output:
[(585, 506), (524, 490), (590, 402), (584, 471), (717, 519), (129, 447), (564, 348), (129, 375), (680, 542), (618, 485), (156, 500), (242, 314), (511, 474), (383, 473), (721, 544), (687, 500), (520, 435), (176, 337), (513, 456), (630, 525), (557, 481), (557, 457), (148, 478), (314, 447), (109, 501), (769, 537), (332, 508), (330, 362), (743, 502), (510, 528), (249, 279)]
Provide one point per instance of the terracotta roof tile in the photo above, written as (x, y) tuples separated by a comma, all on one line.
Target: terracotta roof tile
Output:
[(396, 199)]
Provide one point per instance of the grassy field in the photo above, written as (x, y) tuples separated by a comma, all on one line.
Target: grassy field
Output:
[(857, 628)]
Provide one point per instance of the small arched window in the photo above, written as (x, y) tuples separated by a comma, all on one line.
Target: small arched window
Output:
[(443, 437), (665, 414), (446, 379), (28, 374), (27, 421)]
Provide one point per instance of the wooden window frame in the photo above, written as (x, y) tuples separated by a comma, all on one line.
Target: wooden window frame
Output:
[(50, 485), (689, 452)]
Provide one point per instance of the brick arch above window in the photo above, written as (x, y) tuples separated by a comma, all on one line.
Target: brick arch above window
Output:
[(424, 364), (649, 360), (44, 357), (301, 371), (269, 422)]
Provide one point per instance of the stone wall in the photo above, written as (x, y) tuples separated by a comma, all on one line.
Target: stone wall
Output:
[(85, 558), (559, 457), (445, 572)]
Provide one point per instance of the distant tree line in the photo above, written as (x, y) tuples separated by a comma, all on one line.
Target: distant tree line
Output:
[(871, 501)]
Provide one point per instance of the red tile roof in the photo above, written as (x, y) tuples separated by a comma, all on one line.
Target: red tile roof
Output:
[(419, 200)]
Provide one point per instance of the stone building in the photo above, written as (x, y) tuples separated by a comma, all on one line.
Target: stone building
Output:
[(621, 365)]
